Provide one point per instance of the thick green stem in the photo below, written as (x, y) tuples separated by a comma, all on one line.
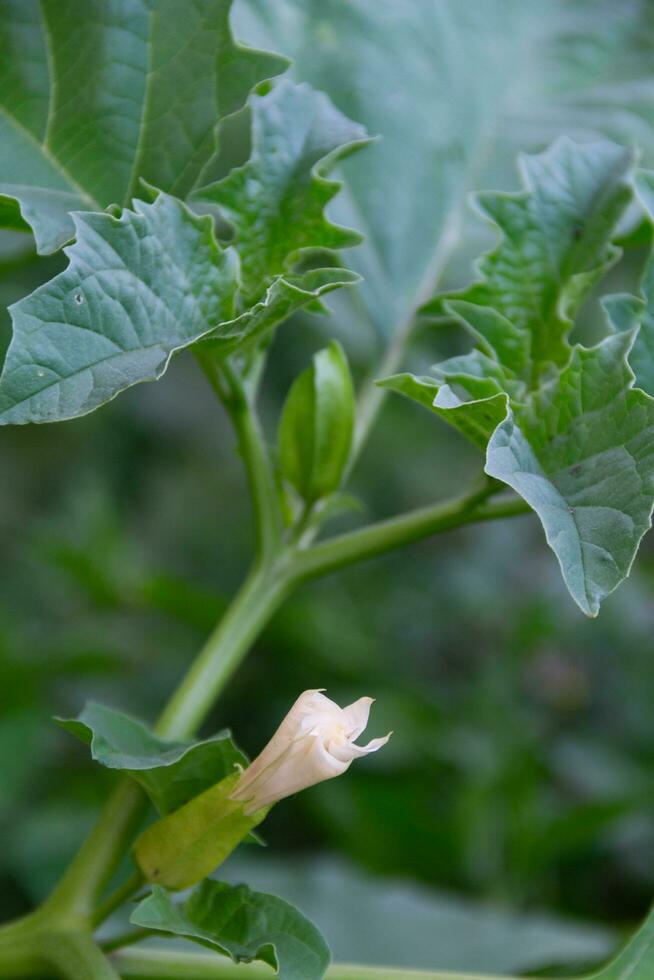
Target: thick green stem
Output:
[(385, 536), (262, 593), (37, 950), (163, 965), (77, 957), (78, 891), (83, 882), (279, 568)]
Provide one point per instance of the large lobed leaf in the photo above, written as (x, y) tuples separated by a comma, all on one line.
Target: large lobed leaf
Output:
[(581, 453), (137, 288), (562, 426), (276, 201), (468, 392), (482, 82), (95, 96), (98, 102), (243, 924), (154, 280), (284, 296), (555, 245)]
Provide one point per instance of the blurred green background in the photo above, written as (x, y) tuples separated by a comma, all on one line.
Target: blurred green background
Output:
[(510, 822)]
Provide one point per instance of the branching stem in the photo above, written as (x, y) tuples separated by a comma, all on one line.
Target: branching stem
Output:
[(122, 894), (384, 536), (283, 562)]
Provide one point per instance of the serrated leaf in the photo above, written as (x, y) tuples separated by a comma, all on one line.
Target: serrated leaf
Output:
[(284, 296), (555, 244), (276, 201), (641, 358), (581, 453), (79, 125), (137, 289), (172, 773), (469, 392), (476, 416), (243, 924), (475, 90), (188, 844), (565, 427)]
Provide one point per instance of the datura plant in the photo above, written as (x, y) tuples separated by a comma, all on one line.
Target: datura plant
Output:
[(114, 149)]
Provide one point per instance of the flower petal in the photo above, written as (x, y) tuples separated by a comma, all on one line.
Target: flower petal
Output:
[(305, 764), (314, 742), (290, 729), (356, 716), (346, 751)]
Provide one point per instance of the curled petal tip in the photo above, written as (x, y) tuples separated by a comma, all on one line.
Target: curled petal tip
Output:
[(315, 741)]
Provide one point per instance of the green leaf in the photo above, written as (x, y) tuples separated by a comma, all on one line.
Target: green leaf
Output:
[(172, 773), (137, 289), (641, 358), (475, 416), (564, 427), (317, 425), (80, 124), (243, 924), (469, 392), (188, 844), (285, 296), (623, 312), (636, 960), (475, 89), (556, 243), (276, 201), (581, 453)]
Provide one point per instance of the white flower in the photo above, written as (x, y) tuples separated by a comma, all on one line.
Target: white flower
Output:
[(315, 741)]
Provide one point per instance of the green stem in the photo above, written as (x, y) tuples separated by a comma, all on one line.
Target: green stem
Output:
[(277, 570), (117, 898), (78, 891), (127, 939), (77, 957), (384, 536), (163, 965), (262, 593), (41, 950), (370, 399), (231, 390)]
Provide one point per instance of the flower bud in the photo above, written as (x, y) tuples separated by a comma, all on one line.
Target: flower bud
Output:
[(317, 426), (315, 741)]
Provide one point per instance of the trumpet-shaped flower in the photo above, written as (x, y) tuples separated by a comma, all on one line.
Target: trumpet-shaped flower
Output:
[(315, 741)]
